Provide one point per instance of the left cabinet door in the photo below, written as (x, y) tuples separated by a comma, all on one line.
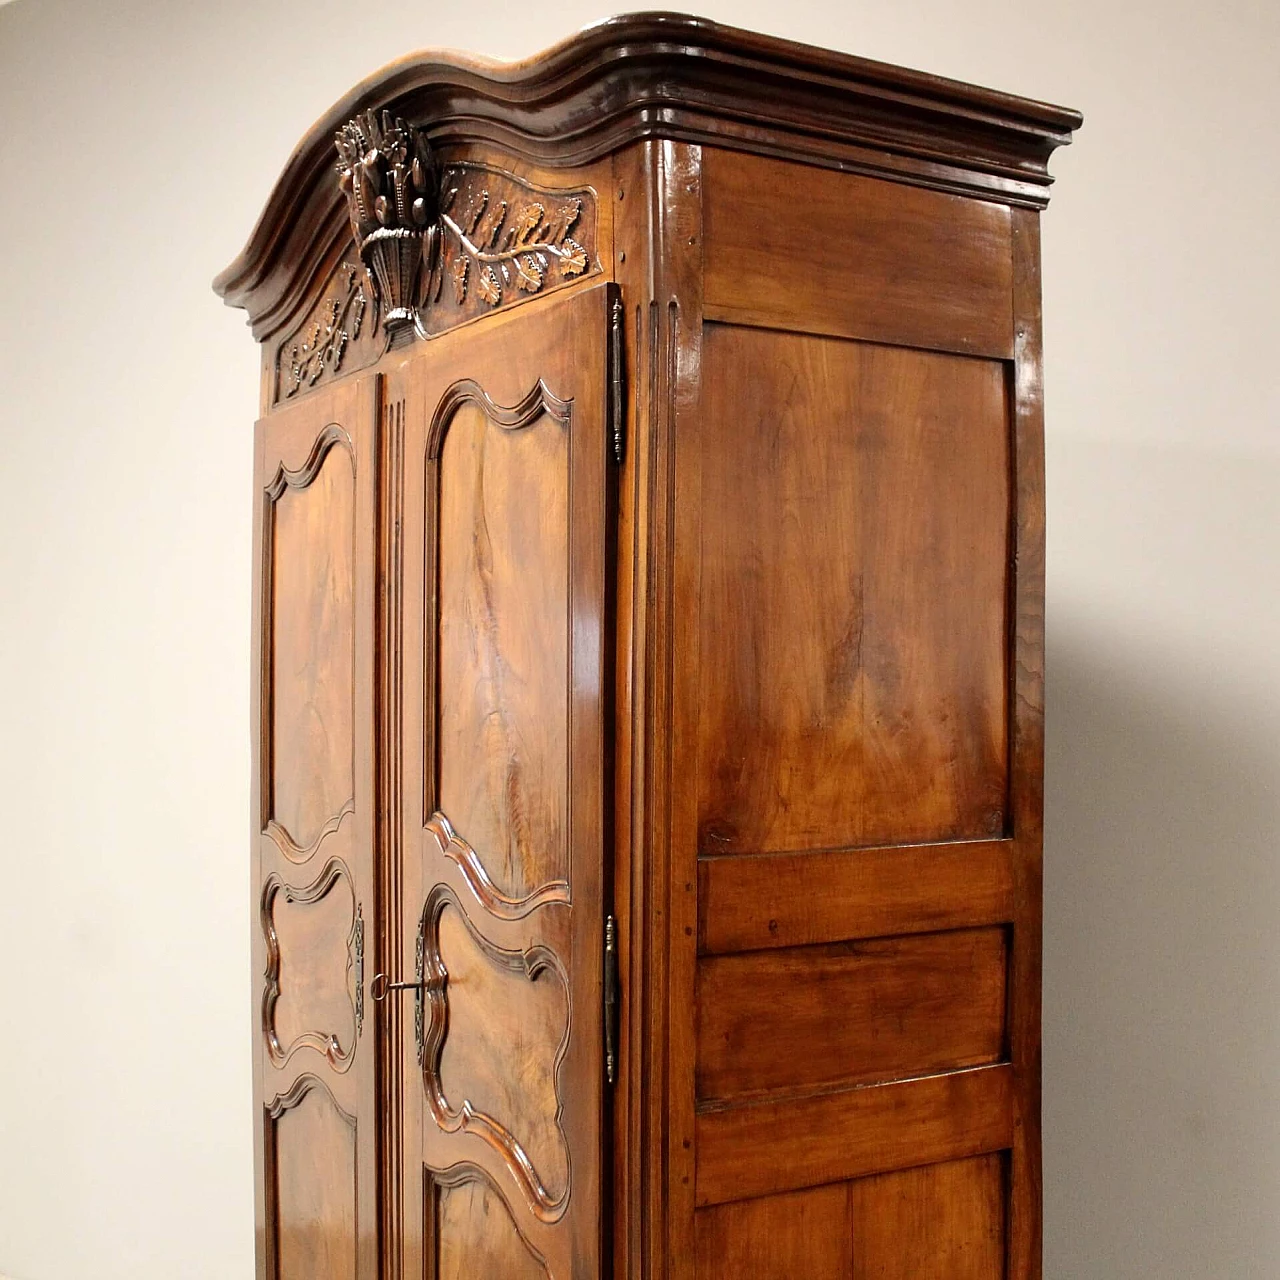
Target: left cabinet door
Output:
[(315, 549)]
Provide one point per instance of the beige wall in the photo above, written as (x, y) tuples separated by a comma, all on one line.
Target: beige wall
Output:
[(137, 142)]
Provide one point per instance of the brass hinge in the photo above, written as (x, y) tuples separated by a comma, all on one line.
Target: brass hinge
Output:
[(611, 999), (617, 378)]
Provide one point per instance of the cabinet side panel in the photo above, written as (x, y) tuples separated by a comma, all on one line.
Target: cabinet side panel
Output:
[(943, 1219), (805, 1233), (792, 247), (854, 561)]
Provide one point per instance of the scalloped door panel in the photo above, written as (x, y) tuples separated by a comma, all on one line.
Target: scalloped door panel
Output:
[(315, 550), (507, 483)]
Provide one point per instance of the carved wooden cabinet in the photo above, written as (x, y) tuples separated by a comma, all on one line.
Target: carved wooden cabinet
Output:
[(648, 711)]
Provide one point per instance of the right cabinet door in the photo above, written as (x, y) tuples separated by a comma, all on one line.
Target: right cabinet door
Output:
[(506, 502)]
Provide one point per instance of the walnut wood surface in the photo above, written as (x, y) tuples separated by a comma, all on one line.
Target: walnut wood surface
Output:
[(944, 1219), (852, 606), (503, 582), (941, 1220), (504, 598), (790, 899), (313, 883), (850, 1013), (861, 258), (769, 688), (767, 1147)]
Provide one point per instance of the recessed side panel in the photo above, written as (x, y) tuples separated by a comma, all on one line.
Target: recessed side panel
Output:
[(311, 627), (794, 248), (850, 1013), (805, 1234), (942, 1221), (312, 1192), (503, 690), (854, 578)]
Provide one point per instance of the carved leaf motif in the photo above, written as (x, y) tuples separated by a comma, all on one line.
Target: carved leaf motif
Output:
[(486, 234), (473, 210), (529, 272), (500, 239), (573, 258), (461, 269), (525, 226), (489, 287), (561, 222), (325, 346)]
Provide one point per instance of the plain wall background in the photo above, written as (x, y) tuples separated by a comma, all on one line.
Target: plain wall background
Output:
[(138, 142)]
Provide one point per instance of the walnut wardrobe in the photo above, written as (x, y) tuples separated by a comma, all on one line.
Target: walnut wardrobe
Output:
[(648, 703)]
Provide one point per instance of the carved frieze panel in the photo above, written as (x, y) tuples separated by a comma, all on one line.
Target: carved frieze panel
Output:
[(503, 240), (339, 334), (431, 248)]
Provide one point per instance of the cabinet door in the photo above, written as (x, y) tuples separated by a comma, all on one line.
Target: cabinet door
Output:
[(314, 551), (506, 509)]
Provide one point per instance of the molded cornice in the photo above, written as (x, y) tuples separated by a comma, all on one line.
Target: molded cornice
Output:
[(655, 75)]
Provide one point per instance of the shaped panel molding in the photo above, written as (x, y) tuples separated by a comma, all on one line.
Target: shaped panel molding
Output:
[(309, 636), (322, 941), (482, 998), (311, 1183)]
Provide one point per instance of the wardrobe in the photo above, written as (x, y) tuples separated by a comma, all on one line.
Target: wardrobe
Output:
[(648, 669)]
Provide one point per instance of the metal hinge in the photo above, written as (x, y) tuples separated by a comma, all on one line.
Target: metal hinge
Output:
[(617, 378), (611, 999)]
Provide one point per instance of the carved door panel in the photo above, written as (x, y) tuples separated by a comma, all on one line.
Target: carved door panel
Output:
[(314, 551), (506, 511)]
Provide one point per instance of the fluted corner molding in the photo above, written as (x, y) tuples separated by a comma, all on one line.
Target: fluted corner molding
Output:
[(654, 75)]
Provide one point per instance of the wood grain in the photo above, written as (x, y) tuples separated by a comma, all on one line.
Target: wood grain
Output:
[(943, 1220), (315, 566), (313, 1161), (791, 899), (503, 1047), (790, 248), (768, 1147), (852, 1013), (854, 571), (504, 700), (476, 1236), (312, 647), (503, 645), (807, 1234)]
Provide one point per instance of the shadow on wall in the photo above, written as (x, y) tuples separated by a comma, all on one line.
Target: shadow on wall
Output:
[(1162, 966)]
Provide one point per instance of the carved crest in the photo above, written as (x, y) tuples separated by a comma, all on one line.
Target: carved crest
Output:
[(386, 172)]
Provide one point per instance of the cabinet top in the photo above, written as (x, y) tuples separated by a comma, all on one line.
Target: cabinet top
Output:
[(660, 75)]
